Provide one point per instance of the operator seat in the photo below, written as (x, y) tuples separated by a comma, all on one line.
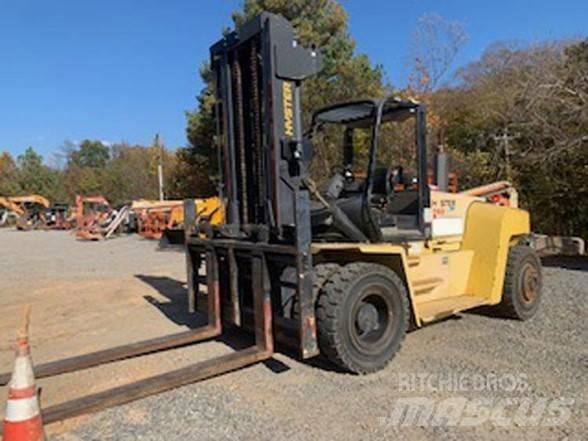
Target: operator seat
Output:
[(346, 194)]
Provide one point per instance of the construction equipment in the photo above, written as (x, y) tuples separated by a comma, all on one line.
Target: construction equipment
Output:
[(272, 35), (558, 245), (35, 212), (9, 211), (91, 211), (34, 207), (153, 217), (343, 273), (59, 216), (97, 220), (164, 220), (499, 193), (28, 210), (208, 210)]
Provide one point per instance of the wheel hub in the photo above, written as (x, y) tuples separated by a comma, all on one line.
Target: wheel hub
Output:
[(371, 320), (367, 318), (530, 284)]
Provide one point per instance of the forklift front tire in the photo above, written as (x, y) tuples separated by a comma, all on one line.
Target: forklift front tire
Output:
[(362, 317)]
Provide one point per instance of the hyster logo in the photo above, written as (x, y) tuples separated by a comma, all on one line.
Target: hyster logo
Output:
[(288, 108)]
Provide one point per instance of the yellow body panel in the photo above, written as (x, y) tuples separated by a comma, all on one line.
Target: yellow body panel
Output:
[(212, 209), (440, 274), (489, 233), (446, 275), (394, 256)]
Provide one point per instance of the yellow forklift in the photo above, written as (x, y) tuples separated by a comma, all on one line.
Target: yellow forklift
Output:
[(352, 267), (343, 271)]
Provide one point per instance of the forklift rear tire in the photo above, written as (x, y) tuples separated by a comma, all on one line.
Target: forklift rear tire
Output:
[(522, 284), (362, 317)]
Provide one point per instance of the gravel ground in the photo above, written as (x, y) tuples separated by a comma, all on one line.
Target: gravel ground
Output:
[(286, 399)]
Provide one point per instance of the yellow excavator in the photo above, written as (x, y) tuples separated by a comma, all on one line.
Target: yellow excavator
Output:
[(28, 211), (9, 211)]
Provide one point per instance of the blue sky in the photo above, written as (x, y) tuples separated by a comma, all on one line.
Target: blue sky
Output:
[(126, 69)]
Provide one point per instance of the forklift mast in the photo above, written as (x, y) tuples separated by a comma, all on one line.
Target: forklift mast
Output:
[(264, 248), (258, 71)]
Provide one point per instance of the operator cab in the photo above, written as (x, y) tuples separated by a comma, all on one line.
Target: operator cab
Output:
[(375, 193)]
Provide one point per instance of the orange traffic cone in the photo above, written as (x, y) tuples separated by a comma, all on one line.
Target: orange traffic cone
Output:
[(22, 421)]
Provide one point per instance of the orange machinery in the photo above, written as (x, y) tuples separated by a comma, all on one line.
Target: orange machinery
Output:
[(91, 212), (500, 193), (154, 218)]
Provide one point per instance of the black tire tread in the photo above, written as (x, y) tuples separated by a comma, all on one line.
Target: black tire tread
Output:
[(332, 295), (509, 307), (321, 273)]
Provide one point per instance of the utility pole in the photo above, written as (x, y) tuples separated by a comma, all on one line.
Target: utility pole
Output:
[(159, 147), (505, 139)]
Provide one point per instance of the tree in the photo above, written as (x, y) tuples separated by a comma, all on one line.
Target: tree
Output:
[(8, 184), (522, 111), (435, 44), (130, 174), (92, 154), (195, 175), (83, 180), (33, 177), (87, 168)]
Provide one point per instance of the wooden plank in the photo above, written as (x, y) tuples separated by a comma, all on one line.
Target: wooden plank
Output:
[(118, 353)]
